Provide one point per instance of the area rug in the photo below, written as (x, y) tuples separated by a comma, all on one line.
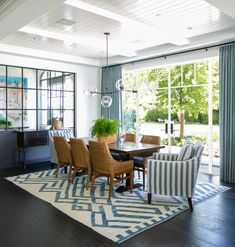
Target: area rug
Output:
[(119, 218)]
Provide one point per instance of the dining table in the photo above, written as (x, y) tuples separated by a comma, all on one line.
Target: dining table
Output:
[(127, 150)]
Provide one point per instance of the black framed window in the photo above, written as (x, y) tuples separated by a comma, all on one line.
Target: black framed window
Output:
[(31, 98)]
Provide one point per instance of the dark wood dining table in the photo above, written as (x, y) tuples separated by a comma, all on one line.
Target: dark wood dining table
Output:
[(128, 150)]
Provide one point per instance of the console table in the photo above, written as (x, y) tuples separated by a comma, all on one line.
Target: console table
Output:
[(30, 138)]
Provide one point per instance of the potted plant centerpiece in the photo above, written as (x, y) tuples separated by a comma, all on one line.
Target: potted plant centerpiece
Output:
[(105, 130)]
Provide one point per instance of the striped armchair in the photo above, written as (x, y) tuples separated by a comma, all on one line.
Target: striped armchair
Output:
[(169, 176), (67, 133)]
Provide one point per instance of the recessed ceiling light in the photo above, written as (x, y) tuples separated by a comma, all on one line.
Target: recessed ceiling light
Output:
[(34, 38), (136, 41), (189, 28), (68, 44), (66, 22)]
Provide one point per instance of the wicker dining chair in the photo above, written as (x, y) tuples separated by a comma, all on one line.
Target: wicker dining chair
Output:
[(140, 163), (81, 158), (151, 139), (64, 154), (104, 165), (130, 137)]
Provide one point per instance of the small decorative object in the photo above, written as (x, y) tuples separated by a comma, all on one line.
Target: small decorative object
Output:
[(122, 138), (105, 130), (57, 124)]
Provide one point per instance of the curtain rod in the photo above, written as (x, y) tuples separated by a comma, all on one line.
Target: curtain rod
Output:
[(171, 54)]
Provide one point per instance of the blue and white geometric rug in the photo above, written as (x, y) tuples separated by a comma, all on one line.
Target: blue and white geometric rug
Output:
[(119, 218)]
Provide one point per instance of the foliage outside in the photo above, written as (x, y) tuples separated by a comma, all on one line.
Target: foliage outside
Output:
[(177, 142), (189, 93), (154, 115), (104, 127), (129, 117)]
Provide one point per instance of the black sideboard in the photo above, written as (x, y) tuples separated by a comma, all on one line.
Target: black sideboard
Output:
[(30, 138)]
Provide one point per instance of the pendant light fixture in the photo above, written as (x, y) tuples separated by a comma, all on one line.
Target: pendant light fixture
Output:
[(106, 100)]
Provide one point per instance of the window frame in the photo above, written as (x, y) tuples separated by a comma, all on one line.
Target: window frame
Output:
[(37, 90)]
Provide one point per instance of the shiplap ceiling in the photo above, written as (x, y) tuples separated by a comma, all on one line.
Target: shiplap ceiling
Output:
[(138, 27)]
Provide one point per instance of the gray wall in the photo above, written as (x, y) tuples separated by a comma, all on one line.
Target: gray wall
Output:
[(9, 156)]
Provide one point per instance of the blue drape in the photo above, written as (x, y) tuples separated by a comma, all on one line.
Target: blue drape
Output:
[(108, 80), (227, 112)]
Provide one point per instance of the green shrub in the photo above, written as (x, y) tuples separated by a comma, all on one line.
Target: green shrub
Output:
[(156, 115), (104, 127), (176, 140)]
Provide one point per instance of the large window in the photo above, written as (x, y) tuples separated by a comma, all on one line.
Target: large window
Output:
[(31, 98), (185, 94)]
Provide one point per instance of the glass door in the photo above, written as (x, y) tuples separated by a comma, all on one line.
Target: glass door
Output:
[(193, 109), (188, 104), (176, 102)]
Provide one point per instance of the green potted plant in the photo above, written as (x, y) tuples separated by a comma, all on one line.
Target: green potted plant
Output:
[(105, 130)]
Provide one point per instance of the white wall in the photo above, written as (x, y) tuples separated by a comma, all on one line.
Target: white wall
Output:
[(88, 109)]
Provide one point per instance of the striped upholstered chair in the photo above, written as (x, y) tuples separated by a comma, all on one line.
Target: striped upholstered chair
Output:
[(167, 175)]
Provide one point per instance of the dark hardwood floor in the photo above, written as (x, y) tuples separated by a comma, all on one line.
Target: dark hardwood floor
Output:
[(30, 222)]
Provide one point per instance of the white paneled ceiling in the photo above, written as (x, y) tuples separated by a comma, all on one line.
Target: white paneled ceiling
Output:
[(76, 27)]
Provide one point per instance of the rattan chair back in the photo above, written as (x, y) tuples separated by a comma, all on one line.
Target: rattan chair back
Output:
[(130, 137), (101, 158), (63, 150), (151, 139), (80, 153)]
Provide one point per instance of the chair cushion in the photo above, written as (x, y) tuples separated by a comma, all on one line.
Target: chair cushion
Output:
[(138, 161), (188, 142), (116, 156), (198, 148), (186, 152)]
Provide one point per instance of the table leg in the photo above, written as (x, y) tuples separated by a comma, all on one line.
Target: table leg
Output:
[(19, 157), (24, 161)]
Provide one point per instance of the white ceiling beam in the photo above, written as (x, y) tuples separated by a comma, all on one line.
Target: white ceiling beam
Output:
[(196, 42), (226, 6), (22, 12), (116, 48), (29, 52), (169, 36)]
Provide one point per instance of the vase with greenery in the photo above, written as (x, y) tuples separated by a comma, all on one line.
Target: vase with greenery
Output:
[(105, 130)]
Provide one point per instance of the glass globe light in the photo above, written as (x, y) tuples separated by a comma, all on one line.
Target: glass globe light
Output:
[(106, 101), (93, 91), (86, 92), (119, 85)]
